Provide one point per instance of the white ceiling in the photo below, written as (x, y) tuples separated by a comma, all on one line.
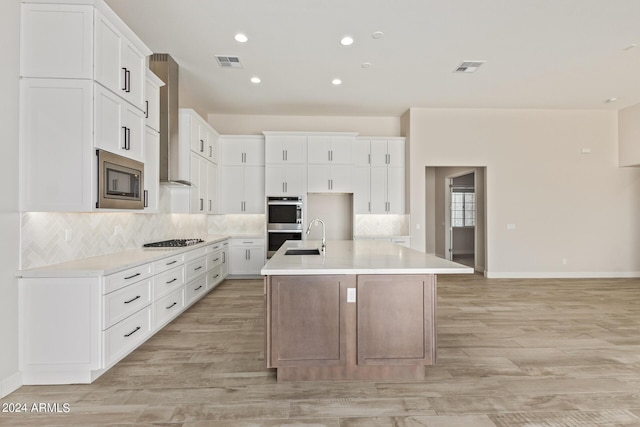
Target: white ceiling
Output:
[(538, 53)]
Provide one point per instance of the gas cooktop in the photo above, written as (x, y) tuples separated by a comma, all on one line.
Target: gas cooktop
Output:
[(173, 243)]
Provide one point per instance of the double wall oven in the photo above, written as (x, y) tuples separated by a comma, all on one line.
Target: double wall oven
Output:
[(284, 221)]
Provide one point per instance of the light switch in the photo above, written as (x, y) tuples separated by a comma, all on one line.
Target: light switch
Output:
[(351, 294)]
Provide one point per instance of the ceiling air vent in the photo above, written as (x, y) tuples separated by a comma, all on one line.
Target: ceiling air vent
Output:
[(229, 61), (468, 66)]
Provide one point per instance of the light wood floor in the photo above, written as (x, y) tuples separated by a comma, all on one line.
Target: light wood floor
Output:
[(516, 353)]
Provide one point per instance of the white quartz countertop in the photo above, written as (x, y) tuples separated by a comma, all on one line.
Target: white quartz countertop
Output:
[(358, 257), (112, 263)]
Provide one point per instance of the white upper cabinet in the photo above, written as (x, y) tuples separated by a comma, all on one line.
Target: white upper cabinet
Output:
[(86, 40), (152, 100), (119, 127), (242, 174), (199, 144), (59, 147), (119, 64), (328, 179), (376, 151), (378, 178), (242, 189), (82, 88), (56, 41), (287, 180), (198, 135), (242, 150), (285, 148), (329, 149)]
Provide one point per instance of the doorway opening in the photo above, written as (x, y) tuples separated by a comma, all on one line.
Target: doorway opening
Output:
[(460, 215), (455, 214)]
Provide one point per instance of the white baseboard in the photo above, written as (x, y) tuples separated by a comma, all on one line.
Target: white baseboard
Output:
[(10, 384), (563, 275)]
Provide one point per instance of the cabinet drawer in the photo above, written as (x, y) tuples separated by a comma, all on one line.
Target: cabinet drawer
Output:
[(214, 260), (123, 337), (196, 268), (121, 279), (196, 289), (215, 247), (123, 302), (196, 253), (247, 242), (168, 307), (166, 282), (167, 263), (214, 277)]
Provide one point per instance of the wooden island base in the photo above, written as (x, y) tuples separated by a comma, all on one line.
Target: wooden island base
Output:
[(350, 327)]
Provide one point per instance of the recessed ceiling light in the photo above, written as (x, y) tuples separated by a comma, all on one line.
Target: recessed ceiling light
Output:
[(377, 35), (366, 64), (336, 82), (255, 80), (241, 38), (610, 100), (346, 41)]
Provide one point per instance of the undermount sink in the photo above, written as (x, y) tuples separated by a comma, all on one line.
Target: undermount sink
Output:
[(302, 252)]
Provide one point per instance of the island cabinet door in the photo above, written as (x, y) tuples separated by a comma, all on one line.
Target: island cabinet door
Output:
[(307, 324), (396, 319)]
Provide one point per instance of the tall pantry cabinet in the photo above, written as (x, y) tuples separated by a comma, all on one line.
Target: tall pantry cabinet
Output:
[(82, 87)]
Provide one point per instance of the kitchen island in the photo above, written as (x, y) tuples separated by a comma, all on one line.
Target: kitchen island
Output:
[(363, 310)]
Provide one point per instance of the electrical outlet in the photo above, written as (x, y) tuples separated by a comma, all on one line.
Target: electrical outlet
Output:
[(351, 294), (117, 230), (68, 234), (564, 261)]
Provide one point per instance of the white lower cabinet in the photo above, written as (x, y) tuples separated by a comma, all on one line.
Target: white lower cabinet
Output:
[(196, 289), (75, 328), (247, 256), (168, 307), (122, 338)]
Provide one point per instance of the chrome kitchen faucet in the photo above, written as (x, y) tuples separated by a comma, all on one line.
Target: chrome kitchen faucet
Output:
[(324, 240)]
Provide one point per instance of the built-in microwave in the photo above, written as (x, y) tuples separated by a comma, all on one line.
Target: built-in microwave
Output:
[(284, 213), (120, 182)]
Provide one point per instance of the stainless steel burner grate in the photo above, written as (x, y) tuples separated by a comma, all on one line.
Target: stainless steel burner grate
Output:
[(173, 243)]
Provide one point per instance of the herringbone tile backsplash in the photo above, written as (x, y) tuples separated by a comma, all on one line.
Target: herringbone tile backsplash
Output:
[(50, 238)]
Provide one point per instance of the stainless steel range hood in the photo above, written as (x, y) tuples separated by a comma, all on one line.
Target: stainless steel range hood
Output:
[(166, 68)]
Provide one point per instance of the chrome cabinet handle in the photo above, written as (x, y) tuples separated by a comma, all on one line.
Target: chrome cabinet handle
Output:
[(131, 277), (172, 262), (172, 280), (202, 146), (146, 198), (198, 288), (146, 113), (174, 303), (197, 268), (128, 81)]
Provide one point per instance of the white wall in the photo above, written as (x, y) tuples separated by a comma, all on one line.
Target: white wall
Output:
[(232, 124), (566, 205), (9, 218), (629, 136)]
